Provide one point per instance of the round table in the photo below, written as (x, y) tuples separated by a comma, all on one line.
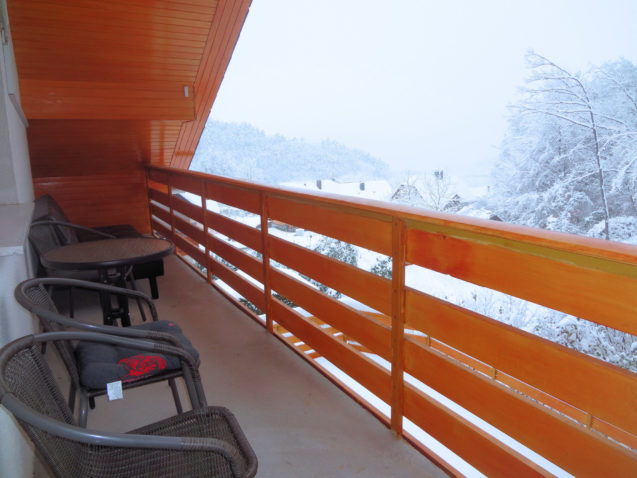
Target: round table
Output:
[(106, 254)]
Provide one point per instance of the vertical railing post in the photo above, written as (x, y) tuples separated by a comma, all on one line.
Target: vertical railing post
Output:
[(399, 246), (265, 257), (204, 198), (171, 207), (147, 179)]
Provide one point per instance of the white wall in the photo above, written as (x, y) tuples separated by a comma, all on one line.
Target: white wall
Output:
[(16, 205)]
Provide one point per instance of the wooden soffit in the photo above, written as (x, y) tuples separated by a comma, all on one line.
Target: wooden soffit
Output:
[(151, 68)]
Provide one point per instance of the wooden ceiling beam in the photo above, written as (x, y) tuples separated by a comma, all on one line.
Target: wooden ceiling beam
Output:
[(47, 99)]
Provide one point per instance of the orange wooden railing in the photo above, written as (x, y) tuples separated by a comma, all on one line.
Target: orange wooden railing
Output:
[(560, 403)]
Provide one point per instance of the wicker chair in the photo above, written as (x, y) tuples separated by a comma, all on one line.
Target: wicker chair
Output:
[(206, 441), (91, 367)]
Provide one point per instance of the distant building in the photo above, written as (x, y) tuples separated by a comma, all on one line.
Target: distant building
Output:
[(408, 194), (454, 204), (375, 189)]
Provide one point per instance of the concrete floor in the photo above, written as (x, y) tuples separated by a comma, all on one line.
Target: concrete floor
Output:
[(297, 421)]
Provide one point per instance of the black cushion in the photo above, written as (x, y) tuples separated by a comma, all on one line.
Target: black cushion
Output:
[(100, 364)]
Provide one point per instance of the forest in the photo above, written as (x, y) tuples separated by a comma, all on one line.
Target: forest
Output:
[(568, 161)]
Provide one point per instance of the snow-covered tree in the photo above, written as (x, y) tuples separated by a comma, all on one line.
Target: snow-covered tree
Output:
[(568, 159)]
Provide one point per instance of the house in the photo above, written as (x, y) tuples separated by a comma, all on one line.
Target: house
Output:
[(408, 194), (377, 189), (103, 109)]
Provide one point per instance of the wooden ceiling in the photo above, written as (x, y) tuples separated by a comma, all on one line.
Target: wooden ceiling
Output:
[(145, 70), (110, 85)]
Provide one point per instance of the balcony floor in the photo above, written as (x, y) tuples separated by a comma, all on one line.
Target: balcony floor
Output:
[(297, 421)]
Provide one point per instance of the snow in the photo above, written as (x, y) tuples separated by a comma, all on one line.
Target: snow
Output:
[(374, 189), (211, 205)]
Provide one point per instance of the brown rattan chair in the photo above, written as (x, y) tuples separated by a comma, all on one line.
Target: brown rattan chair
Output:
[(206, 441), (89, 375)]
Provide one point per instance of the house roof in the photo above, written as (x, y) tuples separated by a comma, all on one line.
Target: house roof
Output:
[(375, 189)]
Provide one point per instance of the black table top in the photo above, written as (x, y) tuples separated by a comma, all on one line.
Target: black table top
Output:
[(106, 253)]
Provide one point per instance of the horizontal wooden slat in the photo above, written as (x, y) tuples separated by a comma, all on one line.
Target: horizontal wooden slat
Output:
[(244, 287), (159, 176), (187, 208), (248, 200), (561, 440), (246, 235), (361, 285), (189, 248), (367, 232), (594, 295), (247, 263), (195, 234), (368, 332), (160, 213), (160, 228), (186, 183), (369, 374), (536, 361), (475, 446)]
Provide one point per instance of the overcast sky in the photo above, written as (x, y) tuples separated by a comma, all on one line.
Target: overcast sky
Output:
[(419, 84)]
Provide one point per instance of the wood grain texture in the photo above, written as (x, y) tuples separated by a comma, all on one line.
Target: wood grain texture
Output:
[(538, 362), (600, 296), (336, 222), (102, 84), (356, 283), (368, 332), (244, 287), (563, 441), (220, 42), (100, 200), (477, 447), (363, 370)]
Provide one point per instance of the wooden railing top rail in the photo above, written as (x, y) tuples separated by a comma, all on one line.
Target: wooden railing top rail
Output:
[(532, 240)]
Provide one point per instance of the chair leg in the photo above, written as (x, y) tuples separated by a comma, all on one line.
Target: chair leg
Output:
[(91, 403), (83, 409), (173, 387), (154, 290), (72, 393), (131, 278)]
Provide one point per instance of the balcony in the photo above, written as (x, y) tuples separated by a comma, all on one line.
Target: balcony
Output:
[(113, 93), (576, 411)]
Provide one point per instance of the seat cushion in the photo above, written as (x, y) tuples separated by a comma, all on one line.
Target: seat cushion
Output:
[(100, 364)]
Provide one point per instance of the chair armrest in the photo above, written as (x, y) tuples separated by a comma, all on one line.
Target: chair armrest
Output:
[(106, 329), (23, 299), (70, 225), (119, 440)]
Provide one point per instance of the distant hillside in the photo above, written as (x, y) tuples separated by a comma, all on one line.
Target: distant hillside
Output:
[(245, 152)]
